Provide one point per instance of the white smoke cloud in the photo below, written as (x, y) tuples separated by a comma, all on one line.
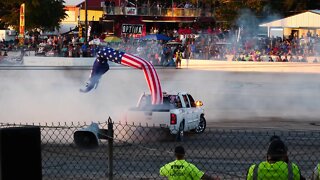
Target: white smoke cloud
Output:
[(39, 96), (46, 96)]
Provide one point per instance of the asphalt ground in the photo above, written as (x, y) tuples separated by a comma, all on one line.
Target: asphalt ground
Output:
[(232, 97), (243, 109), (227, 153)]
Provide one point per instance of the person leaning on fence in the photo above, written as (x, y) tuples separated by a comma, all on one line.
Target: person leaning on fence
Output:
[(180, 169), (316, 173), (277, 166)]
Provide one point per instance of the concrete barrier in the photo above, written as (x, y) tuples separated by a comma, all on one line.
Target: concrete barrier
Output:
[(60, 61), (201, 62), (87, 62), (264, 58), (56, 61)]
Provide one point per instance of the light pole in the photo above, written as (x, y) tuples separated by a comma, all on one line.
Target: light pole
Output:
[(172, 8), (86, 21)]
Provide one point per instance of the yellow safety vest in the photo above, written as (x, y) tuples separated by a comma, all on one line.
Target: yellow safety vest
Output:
[(181, 170), (319, 171), (278, 170), (179, 55)]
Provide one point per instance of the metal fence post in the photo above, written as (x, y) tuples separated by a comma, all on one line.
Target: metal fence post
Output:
[(110, 149)]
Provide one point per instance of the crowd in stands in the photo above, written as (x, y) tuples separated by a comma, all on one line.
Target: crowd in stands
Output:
[(187, 8), (214, 44), (291, 49)]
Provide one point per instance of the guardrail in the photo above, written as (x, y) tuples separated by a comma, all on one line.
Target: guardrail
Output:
[(138, 152), (155, 11)]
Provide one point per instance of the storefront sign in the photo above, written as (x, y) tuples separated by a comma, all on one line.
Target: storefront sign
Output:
[(132, 28), (131, 11)]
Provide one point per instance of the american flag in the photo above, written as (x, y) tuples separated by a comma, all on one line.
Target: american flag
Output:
[(138, 63)]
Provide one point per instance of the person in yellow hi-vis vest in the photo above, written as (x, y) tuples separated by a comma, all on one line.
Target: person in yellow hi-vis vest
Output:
[(277, 165), (316, 173), (180, 169), (178, 58)]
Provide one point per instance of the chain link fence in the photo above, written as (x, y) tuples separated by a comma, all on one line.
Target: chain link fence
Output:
[(138, 152)]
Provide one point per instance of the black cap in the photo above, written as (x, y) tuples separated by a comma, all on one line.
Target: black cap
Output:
[(277, 147), (179, 150)]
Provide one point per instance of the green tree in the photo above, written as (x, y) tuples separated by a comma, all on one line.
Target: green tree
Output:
[(265, 10), (233, 10), (2, 25), (42, 14)]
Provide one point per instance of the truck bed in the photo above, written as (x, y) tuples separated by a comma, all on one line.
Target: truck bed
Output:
[(149, 116), (153, 108)]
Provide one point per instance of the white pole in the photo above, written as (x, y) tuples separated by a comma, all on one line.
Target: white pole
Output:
[(239, 33)]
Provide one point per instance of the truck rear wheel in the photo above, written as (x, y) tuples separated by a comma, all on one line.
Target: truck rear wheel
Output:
[(180, 133), (202, 125)]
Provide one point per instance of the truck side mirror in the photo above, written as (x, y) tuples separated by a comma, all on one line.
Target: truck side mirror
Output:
[(199, 103)]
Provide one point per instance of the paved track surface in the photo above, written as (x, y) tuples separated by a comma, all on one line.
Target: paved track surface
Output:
[(235, 95), (253, 103), (139, 155)]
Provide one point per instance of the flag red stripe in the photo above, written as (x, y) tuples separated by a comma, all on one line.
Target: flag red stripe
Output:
[(160, 89), (158, 93), (156, 83), (153, 81), (130, 64), (143, 66), (147, 76)]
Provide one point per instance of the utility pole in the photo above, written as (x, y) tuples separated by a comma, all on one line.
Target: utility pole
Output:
[(172, 7), (86, 21)]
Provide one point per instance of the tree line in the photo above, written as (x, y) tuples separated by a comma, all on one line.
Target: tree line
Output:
[(47, 14), (40, 14)]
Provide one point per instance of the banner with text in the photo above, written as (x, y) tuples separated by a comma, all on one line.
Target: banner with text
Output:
[(22, 20), (132, 28), (131, 11)]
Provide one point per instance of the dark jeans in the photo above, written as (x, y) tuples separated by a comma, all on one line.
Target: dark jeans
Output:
[(98, 69)]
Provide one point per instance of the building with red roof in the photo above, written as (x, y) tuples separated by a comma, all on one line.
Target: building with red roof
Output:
[(138, 18)]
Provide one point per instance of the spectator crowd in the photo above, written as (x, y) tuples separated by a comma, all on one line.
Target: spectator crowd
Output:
[(214, 44)]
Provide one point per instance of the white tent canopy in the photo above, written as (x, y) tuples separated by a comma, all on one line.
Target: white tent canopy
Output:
[(309, 19)]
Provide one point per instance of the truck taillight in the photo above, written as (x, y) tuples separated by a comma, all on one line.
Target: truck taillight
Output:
[(173, 118)]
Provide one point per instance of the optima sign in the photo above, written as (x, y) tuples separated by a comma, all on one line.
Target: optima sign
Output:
[(132, 28)]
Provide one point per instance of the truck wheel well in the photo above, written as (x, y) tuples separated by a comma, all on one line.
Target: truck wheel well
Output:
[(183, 122), (179, 136)]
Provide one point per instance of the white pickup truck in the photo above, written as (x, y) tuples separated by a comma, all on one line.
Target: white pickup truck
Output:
[(179, 113)]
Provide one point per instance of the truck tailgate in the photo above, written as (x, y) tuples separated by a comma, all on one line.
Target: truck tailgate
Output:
[(149, 117)]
